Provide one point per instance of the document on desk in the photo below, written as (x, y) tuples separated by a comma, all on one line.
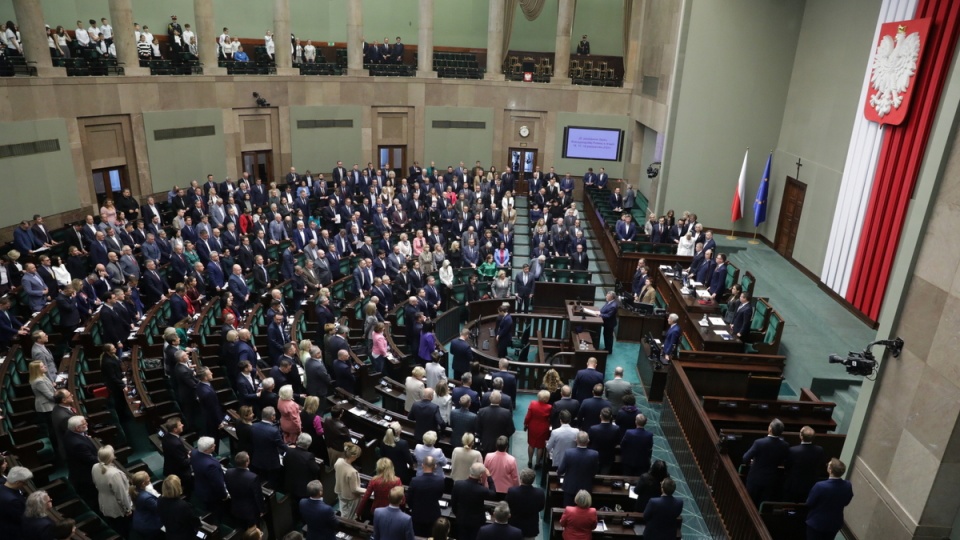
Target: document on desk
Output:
[(703, 294), (358, 411), (591, 312), (717, 321), (723, 333), (601, 526)]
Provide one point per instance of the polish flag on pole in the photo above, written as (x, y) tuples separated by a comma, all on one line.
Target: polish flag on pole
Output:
[(736, 210)]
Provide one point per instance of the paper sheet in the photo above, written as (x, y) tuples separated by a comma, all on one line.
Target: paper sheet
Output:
[(717, 321)]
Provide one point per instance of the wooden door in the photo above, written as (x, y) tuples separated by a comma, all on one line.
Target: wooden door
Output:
[(789, 223)]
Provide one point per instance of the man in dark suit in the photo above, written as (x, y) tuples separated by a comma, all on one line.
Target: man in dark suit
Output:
[(390, 523), (609, 315), (211, 490), (585, 380), (591, 407), (186, 383), (426, 415), (509, 379), (524, 286), (462, 354), (423, 497), (276, 339), (500, 529), (81, 454), (672, 341), (826, 502), (318, 379), (494, 421), (61, 414), (246, 496), (604, 438), (267, 446), (464, 390), (765, 457), (320, 518), (462, 420), (804, 466), (343, 372), (636, 448), (662, 512), (718, 280), (467, 501), (742, 318), (504, 331), (237, 286), (176, 457), (523, 515), (565, 403), (300, 468), (579, 466), (505, 400), (209, 404)]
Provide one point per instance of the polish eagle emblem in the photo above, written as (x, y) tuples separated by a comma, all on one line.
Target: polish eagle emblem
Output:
[(896, 70), (894, 64)]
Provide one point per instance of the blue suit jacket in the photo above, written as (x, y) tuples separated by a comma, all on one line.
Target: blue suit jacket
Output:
[(320, 519), (459, 392), (584, 382), (636, 448), (246, 496), (389, 523), (9, 325), (25, 241), (275, 342), (661, 516), (505, 329), (208, 476), (238, 287), (423, 497), (267, 445), (579, 467), (825, 505), (672, 339), (462, 356), (286, 267), (98, 253), (768, 454), (718, 280), (210, 407), (499, 531), (623, 233), (178, 308), (590, 411), (741, 321), (215, 274), (509, 383)]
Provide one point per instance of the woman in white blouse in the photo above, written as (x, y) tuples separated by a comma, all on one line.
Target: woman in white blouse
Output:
[(508, 200), (686, 245), (113, 488), (446, 274), (404, 244)]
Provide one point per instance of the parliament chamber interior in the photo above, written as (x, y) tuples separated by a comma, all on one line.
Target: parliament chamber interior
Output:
[(479, 269)]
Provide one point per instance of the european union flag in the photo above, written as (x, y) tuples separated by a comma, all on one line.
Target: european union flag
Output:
[(760, 204)]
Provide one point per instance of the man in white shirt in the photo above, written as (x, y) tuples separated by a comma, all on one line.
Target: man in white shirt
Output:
[(226, 48), (562, 438), (188, 34), (107, 31), (268, 42), (93, 31), (136, 32), (148, 33), (81, 35)]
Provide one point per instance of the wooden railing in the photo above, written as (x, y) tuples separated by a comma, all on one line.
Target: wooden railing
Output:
[(721, 496)]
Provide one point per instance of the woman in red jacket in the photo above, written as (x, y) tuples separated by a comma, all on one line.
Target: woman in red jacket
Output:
[(537, 426), (379, 486), (579, 521)]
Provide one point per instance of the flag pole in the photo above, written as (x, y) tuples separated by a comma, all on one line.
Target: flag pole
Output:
[(754, 241), (732, 237)]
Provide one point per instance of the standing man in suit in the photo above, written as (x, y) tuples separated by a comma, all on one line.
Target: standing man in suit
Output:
[(210, 410), (672, 341), (267, 446), (467, 502), (591, 408), (300, 468), (423, 497), (609, 315), (616, 388), (743, 318), (276, 338), (186, 384), (246, 496), (826, 502), (211, 489), (237, 286), (318, 379), (390, 523), (765, 457), (524, 286), (176, 457), (803, 468), (504, 331), (501, 529), (426, 415), (579, 466), (523, 515), (462, 354), (585, 380), (509, 379), (319, 517), (662, 512), (81, 454), (636, 448), (494, 421), (718, 281)]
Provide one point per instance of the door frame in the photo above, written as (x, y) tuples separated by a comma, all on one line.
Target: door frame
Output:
[(401, 168), (107, 189), (269, 153), (785, 245)]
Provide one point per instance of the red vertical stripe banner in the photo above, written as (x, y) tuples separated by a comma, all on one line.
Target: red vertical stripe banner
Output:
[(901, 155)]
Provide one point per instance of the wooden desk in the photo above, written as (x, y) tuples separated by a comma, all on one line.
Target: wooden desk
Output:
[(613, 522), (603, 492), (691, 312), (632, 327), (582, 319)]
